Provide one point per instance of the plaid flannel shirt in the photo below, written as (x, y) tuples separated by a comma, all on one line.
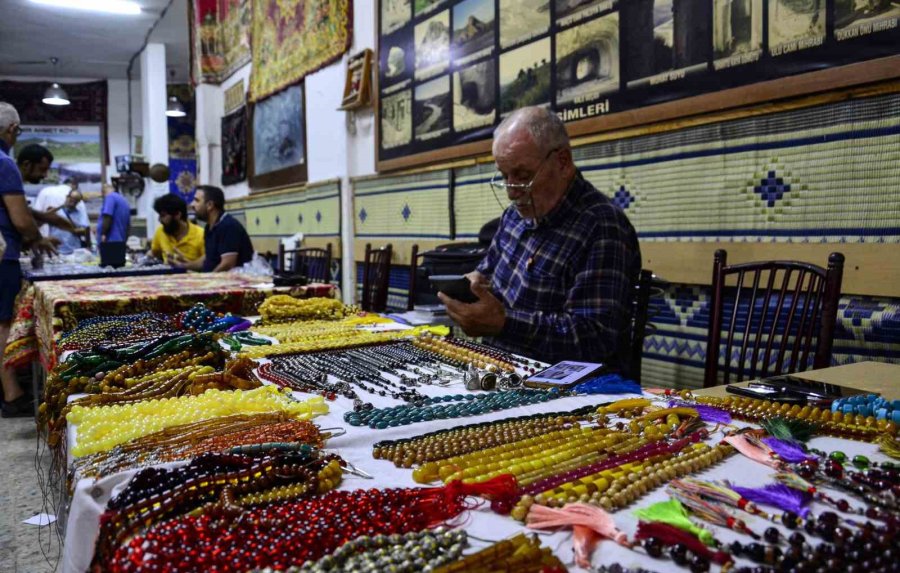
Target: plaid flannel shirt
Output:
[(567, 283)]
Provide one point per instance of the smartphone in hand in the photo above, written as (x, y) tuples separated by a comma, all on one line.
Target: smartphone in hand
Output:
[(455, 286)]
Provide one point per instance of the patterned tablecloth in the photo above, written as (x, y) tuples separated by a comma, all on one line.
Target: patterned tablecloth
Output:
[(59, 305)]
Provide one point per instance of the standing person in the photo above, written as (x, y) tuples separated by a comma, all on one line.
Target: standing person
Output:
[(53, 197), (34, 162), (115, 217), (81, 236), (558, 279), (227, 242), (19, 230), (176, 236)]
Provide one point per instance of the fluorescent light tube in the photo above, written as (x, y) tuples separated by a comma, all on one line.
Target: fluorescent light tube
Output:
[(110, 6)]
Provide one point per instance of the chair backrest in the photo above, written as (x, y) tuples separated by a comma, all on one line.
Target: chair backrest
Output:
[(376, 276), (313, 263), (413, 268), (639, 312), (776, 315)]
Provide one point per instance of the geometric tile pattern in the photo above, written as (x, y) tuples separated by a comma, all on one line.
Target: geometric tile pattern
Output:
[(868, 328), (314, 210), (413, 206)]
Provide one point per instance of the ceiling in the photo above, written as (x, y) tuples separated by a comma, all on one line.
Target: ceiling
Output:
[(89, 44)]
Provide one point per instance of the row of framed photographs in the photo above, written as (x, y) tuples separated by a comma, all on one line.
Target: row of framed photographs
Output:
[(449, 73)]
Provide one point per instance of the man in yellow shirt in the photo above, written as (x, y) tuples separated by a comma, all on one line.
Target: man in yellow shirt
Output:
[(176, 236)]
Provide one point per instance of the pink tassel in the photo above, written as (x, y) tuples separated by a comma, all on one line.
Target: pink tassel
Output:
[(578, 516), (584, 541), (791, 453), (777, 495), (753, 449)]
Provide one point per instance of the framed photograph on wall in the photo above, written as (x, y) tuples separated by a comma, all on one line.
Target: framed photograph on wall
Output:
[(277, 141), (234, 147), (78, 153), (450, 70)]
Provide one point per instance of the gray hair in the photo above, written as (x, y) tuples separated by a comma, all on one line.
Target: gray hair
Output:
[(8, 115), (544, 126)]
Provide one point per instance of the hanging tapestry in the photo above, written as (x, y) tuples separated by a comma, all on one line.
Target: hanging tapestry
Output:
[(234, 147), (220, 38), (293, 38), (87, 103), (182, 145)]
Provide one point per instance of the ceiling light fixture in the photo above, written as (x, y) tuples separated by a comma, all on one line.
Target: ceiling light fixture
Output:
[(55, 95), (174, 108), (110, 6)]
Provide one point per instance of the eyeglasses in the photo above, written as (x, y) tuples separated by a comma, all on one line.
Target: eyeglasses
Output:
[(17, 131), (498, 181)]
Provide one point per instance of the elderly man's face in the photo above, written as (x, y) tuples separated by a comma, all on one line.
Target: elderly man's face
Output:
[(521, 161), (72, 200)]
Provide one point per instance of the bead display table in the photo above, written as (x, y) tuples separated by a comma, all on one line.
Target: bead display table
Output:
[(59, 305), (481, 524)]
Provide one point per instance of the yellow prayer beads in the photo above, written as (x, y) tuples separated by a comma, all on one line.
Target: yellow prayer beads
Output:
[(349, 340), (101, 429), (281, 307)]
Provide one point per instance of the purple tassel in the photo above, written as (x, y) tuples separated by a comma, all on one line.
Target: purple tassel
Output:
[(789, 452), (707, 413), (777, 495)]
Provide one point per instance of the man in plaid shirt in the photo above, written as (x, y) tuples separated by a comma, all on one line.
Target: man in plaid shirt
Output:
[(558, 279)]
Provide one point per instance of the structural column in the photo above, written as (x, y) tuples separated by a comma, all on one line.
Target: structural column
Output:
[(155, 126)]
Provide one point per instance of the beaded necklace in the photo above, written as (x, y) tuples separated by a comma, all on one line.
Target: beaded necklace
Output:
[(282, 307), (281, 535), (102, 428), (464, 405), (850, 426), (191, 440)]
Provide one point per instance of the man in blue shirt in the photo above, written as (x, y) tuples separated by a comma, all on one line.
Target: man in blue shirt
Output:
[(227, 242), (19, 230), (71, 240), (115, 217), (558, 279)]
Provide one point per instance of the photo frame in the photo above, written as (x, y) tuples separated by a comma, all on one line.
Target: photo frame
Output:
[(606, 65), (276, 142), (79, 151), (234, 147), (358, 81)]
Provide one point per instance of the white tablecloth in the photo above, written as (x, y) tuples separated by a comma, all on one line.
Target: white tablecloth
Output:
[(355, 446)]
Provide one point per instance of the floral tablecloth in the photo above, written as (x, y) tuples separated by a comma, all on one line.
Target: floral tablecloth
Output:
[(59, 305)]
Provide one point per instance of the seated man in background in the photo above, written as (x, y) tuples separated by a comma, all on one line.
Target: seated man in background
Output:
[(226, 241), (80, 237), (176, 236), (558, 279)]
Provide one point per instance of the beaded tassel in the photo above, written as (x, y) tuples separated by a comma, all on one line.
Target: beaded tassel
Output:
[(753, 449), (586, 520), (673, 513), (670, 535), (777, 495), (787, 451), (709, 414), (890, 446)]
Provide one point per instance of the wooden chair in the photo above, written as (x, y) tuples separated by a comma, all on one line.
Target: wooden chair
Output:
[(413, 281), (797, 312), (645, 287), (313, 263), (376, 278)]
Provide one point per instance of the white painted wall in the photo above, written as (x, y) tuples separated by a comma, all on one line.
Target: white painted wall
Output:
[(117, 112)]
